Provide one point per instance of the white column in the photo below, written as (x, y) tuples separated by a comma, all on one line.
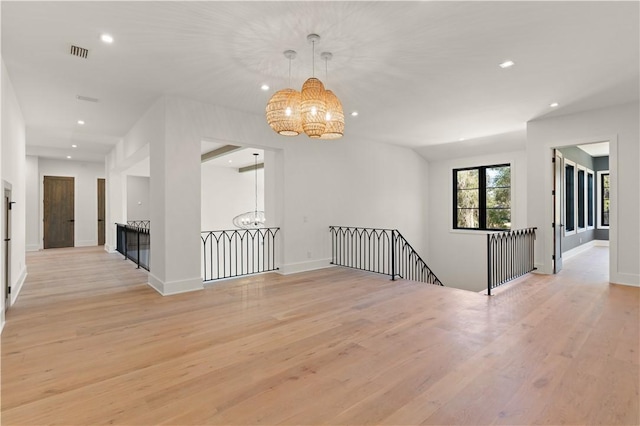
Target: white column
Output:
[(175, 205)]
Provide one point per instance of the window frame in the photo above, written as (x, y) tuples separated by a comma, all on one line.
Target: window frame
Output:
[(581, 195), (600, 174), (590, 206), (482, 197), (573, 203)]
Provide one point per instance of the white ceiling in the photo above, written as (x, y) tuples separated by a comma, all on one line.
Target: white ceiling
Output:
[(419, 73), (599, 149)]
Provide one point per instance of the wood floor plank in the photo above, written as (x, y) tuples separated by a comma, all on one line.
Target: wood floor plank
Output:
[(88, 342)]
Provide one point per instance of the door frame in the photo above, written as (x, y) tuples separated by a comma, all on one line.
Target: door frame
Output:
[(75, 205), (41, 207), (558, 209), (549, 238), (6, 245)]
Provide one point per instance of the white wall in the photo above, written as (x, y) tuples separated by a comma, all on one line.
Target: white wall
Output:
[(138, 198), (85, 176), (459, 257), (12, 171), (618, 125), (312, 183), (227, 193), (34, 200)]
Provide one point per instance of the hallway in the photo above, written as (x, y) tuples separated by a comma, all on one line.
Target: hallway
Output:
[(88, 342)]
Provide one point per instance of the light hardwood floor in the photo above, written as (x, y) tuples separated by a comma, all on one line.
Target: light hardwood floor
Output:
[(88, 342)]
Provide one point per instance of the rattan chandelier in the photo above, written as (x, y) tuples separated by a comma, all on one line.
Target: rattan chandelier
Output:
[(314, 110)]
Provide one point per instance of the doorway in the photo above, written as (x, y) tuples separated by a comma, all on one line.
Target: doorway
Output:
[(575, 190), (59, 220), (101, 211), (6, 237)]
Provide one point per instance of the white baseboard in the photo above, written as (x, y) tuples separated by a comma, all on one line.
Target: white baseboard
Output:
[(632, 280), (294, 268), (86, 243), (577, 250), (32, 247), (175, 287), (17, 287), (109, 249), (2, 321), (601, 243)]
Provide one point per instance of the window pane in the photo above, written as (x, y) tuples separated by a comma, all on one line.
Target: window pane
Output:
[(580, 198), (468, 218), (605, 200), (499, 197), (569, 222), (468, 179), (590, 199), (499, 177), (498, 218), (468, 198)]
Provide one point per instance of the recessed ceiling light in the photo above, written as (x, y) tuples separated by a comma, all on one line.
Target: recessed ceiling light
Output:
[(553, 105), (265, 87), (354, 114), (69, 157), (107, 38), (231, 161), (461, 139), (507, 64), (74, 146), (81, 122)]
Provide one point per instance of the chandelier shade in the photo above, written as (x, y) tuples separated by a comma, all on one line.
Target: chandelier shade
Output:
[(315, 111), (313, 108), (283, 112), (334, 117)]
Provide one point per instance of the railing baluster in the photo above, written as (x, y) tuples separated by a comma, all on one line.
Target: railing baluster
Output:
[(239, 252), (383, 251), (510, 254)]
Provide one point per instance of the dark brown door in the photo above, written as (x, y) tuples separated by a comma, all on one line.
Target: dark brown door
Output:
[(101, 211), (58, 212)]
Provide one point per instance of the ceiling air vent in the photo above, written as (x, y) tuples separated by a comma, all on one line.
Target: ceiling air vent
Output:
[(80, 52), (86, 98)]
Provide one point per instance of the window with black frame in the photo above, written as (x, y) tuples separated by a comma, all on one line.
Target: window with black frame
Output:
[(482, 197), (569, 191), (604, 199)]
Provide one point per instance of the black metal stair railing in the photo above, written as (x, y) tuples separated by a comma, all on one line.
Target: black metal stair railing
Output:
[(510, 254), (134, 243), (384, 251), (146, 224), (233, 253)]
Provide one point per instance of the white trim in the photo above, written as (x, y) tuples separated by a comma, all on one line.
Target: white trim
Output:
[(15, 289), (564, 199), (86, 243), (583, 169), (545, 248), (109, 249), (294, 268), (32, 247), (631, 280), (593, 200), (577, 250), (599, 198), (174, 287)]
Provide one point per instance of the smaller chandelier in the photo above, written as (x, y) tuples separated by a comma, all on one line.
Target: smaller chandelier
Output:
[(254, 219), (314, 110)]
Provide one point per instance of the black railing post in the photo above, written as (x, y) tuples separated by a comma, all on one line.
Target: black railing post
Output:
[(489, 264), (138, 259), (125, 243), (393, 255)]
